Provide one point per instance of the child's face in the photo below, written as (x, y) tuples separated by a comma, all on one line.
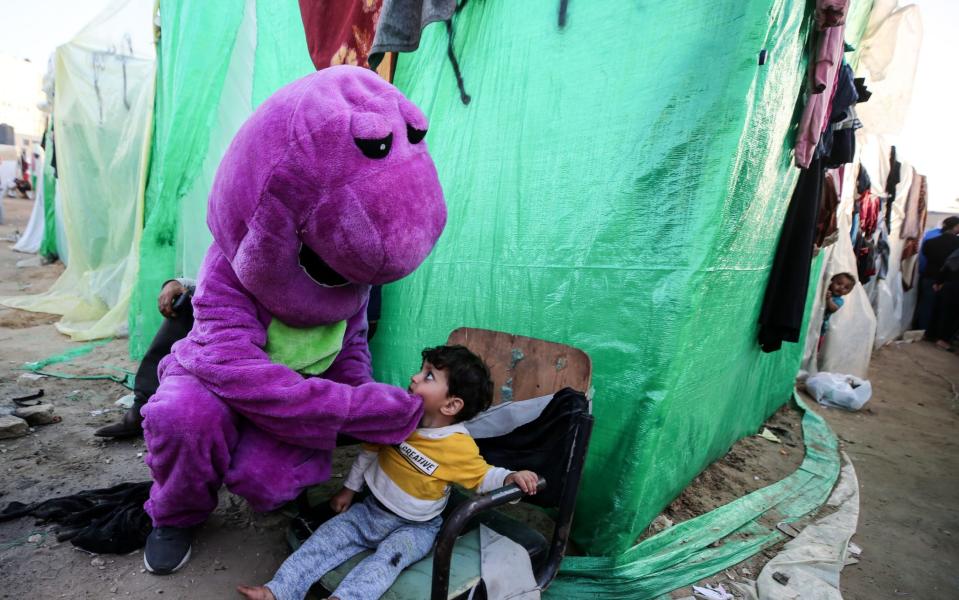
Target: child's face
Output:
[(840, 286), (431, 385)]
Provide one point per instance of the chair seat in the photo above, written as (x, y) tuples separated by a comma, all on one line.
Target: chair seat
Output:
[(416, 580)]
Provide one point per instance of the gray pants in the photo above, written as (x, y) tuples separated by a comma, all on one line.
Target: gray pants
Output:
[(397, 541)]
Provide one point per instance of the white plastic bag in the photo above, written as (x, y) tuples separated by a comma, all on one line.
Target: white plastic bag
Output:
[(841, 391)]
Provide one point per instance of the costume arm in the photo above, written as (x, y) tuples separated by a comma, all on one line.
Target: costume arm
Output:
[(225, 351)]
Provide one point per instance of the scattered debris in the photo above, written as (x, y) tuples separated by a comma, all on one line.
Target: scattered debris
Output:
[(12, 427), (788, 529), (40, 414), (913, 335), (29, 399), (781, 578), (35, 538), (125, 402), (30, 380), (660, 523), (769, 435), (854, 549), (98, 562), (709, 592)]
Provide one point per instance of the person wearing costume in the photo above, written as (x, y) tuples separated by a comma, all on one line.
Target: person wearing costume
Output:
[(327, 189)]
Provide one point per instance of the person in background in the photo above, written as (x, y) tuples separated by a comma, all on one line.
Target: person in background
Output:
[(175, 305), (935, 252), (926, 301), (945, 319)]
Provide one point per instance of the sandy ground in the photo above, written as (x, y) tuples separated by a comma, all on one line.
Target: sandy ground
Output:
[(903, 448)]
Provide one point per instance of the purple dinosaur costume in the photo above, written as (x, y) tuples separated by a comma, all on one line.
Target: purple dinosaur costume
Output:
[(326, 189)]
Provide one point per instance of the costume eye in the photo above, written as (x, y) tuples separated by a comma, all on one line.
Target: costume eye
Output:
[(415, 135), (378, 148)]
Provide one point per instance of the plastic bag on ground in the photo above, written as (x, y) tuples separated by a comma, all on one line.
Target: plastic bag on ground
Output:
[(838, 390)]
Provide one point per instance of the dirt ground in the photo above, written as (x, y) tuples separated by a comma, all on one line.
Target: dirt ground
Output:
[(903, 447)]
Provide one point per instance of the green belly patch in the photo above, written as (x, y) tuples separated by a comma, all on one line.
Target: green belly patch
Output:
[(310, 351)]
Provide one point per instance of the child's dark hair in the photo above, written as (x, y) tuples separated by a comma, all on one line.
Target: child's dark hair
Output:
[(467, 377)]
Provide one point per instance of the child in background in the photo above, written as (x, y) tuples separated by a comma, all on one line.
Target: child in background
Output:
[(409, 485), (840, 285)]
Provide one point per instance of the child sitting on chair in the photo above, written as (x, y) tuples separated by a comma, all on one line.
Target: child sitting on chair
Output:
[(840, 285), (409, 485)]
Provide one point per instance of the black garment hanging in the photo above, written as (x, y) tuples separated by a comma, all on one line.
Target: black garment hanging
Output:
[(780, 319), (863, 182), (891, 182)]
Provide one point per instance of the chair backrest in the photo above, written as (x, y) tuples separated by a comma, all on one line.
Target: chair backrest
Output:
[(522, 367)]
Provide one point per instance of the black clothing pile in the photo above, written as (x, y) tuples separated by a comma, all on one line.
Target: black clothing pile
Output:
[(105, 521)]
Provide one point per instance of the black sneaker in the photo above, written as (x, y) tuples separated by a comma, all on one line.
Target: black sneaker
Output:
[(167, 549)]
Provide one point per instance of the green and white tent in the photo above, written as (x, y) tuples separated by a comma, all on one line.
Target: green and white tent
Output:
[(617, 184)]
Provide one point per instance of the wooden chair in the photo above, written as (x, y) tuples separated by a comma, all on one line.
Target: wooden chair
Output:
[(522, 368)]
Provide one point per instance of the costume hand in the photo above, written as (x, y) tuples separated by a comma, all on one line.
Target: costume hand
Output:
[(342, 500), (526, 480), (172, 290)]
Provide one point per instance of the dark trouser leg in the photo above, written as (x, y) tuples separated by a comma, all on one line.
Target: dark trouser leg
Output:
[(146, 381), (946, 317), (172, 330), (927, 300)]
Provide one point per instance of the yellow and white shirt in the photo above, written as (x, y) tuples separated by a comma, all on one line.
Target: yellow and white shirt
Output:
[(413, 478)]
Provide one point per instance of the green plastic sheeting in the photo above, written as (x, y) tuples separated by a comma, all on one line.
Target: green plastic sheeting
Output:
[(700, 547), (618, 185), (217, 62), (120, 375), (48, 247)]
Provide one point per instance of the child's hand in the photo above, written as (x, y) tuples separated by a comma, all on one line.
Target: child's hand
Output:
[(342, 500), (526, 480)]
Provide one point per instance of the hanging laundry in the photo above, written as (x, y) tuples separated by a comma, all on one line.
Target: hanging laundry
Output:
[(863, 182), (891, 182), (914, 219), (827, 226), (339, 33), (780, 319), (862, 90), (865, 250), (843, 121), (401, 25), (912, 229), (882, 252), (822, 86), (402, 22), (830, 13), (869, 205)]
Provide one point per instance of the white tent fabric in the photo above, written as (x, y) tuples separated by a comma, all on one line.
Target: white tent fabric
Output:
[(888, 59), (848, 346), (877, 313), (103, 112), (32, 235)]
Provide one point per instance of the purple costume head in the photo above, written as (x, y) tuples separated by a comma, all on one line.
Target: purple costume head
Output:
[(327, 189)]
